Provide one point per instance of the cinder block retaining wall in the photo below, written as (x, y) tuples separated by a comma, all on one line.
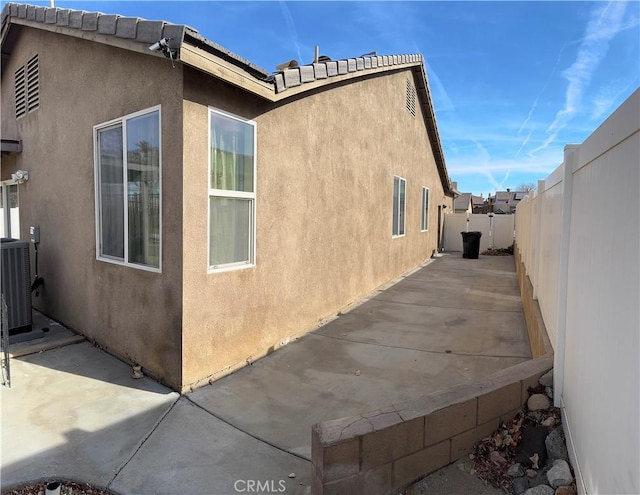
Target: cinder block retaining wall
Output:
[(387, 449)]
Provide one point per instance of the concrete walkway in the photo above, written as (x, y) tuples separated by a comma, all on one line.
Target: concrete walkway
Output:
[(75, 412)]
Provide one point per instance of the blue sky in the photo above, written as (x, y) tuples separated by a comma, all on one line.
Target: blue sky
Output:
[(512, 82)]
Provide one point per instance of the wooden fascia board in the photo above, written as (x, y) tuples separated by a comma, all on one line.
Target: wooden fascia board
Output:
[(221, 69), (432, 129)]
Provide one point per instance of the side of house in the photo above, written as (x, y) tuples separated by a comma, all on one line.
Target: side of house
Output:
[(133, 307), (328, 227), (196, 213)]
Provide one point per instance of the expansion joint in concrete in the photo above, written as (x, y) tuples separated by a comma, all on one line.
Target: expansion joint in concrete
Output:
[(142, 442), (247, 433)]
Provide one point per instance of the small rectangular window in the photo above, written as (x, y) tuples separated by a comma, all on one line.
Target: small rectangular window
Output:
[(232, 197), (128, 190), (424, 223), (399, 205)]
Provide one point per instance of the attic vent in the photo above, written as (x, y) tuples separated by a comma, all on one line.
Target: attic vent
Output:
[(21, 93), (33, 84), (27, 88), (411, 98)]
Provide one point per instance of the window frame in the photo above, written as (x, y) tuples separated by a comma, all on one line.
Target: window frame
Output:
[(98, 201), (232, 194), (399, 225), (6, 209), (424, 220)]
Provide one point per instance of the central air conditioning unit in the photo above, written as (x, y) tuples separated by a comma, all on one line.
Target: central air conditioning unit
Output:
[(16, 284)]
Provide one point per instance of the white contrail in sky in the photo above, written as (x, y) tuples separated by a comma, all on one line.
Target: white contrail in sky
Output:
[(606, 21), (292, 28)]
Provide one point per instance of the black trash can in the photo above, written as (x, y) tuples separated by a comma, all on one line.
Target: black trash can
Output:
[(471, 244)]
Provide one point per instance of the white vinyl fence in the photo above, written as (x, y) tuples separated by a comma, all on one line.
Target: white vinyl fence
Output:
[(579, 237), (497, 231)]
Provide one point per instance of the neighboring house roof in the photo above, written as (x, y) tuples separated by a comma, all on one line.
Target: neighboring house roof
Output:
[(503, 196), (462, 202), (191, 48), (477, 200)]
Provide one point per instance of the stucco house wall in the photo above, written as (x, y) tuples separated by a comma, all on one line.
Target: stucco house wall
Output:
[(133, 313), (325, 167), (326, 159)]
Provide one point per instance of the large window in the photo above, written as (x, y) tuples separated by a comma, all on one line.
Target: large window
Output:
[(424, 223), (232, 191), (399, 205), (128, 190)]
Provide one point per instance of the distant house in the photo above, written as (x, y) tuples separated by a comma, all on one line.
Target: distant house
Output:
[(505, 202), (479, 204), (462, 203), (196, 211)]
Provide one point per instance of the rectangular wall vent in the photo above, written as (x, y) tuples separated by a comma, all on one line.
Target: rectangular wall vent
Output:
[(21, 92), (27, 87), (411, 98), (33, 84)]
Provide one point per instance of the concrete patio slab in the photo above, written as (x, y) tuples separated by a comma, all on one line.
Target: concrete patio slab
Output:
[(391, 348), (75, 412), (192, 452)]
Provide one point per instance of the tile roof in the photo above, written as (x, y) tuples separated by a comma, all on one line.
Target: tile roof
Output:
[(133, 29), (292, 77), (138, 34)]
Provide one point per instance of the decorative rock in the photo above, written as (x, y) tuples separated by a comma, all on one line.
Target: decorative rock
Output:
[(550, 421), (546, 380), (531, 473), (520, 485), (560, 474), (497, 458), (566, 490), (516, 470), (549, 392), (538, 402), (555, 445), (540, 490)]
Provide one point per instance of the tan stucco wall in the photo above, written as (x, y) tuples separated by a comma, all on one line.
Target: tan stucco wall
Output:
[(324, 206), (134, 313)]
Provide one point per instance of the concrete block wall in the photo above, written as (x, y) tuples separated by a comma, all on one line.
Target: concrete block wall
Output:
[(538, 337), (384, 451)]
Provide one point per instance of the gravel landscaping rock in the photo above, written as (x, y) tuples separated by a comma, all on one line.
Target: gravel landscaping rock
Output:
[(516, 470), (556, 445), (520, 485), (540, 490), (538, 402), (546, 380), (559, 474)]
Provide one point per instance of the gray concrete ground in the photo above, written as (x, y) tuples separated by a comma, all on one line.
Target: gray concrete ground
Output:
[(76, 412)]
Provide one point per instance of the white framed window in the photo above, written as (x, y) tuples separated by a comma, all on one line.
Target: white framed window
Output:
[(399, 205), (128, 182), (232, 191), (424, 222), (9, 210)]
